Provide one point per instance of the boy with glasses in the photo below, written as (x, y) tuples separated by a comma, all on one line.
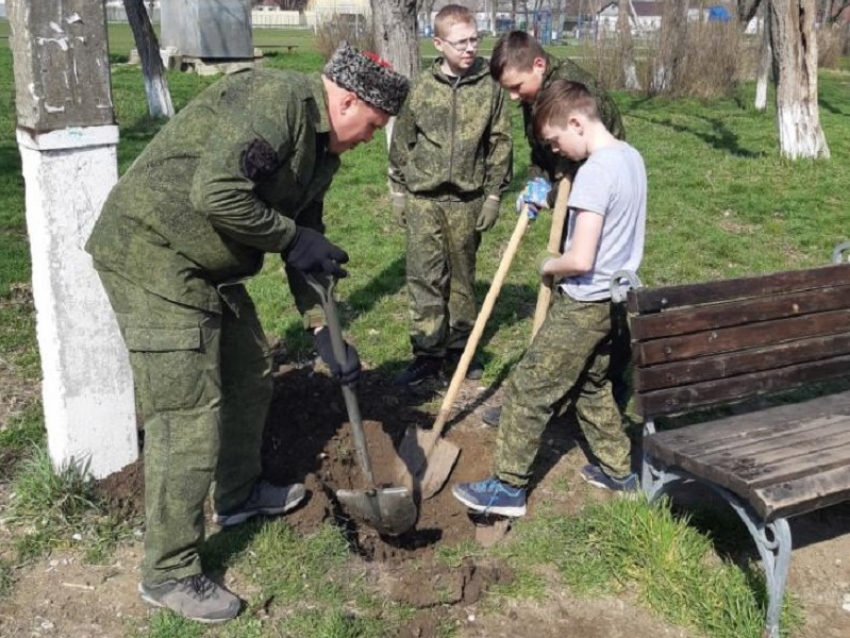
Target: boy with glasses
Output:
[(450, 160)]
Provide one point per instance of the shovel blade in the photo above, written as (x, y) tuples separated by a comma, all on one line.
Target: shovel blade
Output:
[(425, 461), (391, 511)]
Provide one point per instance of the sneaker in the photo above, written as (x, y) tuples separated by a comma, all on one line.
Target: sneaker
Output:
[(421, 368), (492, 415), (491, 497), (475, 370), (195, 597), (594, 475), (266, 499)]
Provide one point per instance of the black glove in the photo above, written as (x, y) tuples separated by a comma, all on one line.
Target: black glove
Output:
[(311, 252), (347, 371)]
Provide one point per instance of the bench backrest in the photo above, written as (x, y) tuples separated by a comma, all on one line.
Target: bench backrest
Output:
[(694, 346)]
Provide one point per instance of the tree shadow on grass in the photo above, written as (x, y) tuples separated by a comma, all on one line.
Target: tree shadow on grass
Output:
[(720, 137)]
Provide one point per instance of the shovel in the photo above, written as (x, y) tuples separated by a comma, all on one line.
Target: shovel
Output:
[(556, 232), (389, 510), (425, 458)]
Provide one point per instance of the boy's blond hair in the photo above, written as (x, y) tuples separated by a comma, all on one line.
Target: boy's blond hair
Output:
[(449, 16), (559, 101)]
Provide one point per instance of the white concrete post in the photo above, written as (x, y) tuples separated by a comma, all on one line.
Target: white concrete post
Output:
[(67, 139)]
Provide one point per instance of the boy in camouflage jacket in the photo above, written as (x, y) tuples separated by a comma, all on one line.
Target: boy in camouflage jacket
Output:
[(450, 161), (523, 68), (569, 356)]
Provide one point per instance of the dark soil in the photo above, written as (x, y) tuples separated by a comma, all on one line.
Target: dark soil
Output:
[(308, 439)]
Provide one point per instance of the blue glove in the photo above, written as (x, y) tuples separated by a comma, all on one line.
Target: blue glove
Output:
[(534, 196)]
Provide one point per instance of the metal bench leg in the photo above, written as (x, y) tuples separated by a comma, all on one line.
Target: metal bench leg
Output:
[(773, 540)]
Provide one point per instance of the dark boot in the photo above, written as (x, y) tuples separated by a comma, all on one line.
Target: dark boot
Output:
[(475, 370), (492, 415), (421, 368)]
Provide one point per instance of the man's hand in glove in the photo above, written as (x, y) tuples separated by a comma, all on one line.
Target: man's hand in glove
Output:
[(347, 371), (312, 253), (488, 215)]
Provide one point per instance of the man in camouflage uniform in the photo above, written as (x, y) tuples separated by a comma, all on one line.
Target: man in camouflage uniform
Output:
[(523, 68), (240, 172), (569, 356), (450, 161)]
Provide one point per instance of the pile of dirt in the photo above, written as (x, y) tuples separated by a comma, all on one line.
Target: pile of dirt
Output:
[(308, 439)]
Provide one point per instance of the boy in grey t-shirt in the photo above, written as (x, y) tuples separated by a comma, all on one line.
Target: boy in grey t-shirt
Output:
[(569, 357)]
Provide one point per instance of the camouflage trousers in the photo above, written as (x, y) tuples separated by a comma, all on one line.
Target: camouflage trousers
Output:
[(441, 246), (203, 388), (568, 359)]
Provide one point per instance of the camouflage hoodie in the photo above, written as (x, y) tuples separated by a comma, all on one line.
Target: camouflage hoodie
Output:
[(223, 183), (453, 136), (546, 163)]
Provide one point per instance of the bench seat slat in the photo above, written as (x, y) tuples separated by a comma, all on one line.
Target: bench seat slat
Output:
[(645, 300), (806, 494), (736, 338), (722, 315), (755, 466), (759, 438), (744, 453), (730, 364)]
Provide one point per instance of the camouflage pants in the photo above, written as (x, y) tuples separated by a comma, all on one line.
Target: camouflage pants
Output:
[(441, 247), (569, 358), (203, 387)]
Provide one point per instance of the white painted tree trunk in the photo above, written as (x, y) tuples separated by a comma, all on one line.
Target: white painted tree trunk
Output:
[(67, 138), (156, 86), (795, 67), (763, 65), (627, 49)]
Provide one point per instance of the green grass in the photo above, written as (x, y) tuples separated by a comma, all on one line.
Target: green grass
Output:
[(721, 203), (627, 547)]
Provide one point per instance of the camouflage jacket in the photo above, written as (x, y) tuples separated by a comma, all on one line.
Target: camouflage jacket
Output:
[(546, 163), (453, 136), (223, 183)]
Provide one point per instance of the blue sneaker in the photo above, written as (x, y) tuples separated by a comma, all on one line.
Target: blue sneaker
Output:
[(594, 475), (491, 497)]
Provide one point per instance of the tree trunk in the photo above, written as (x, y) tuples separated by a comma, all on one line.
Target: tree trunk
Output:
[(394, 27), (795, 71), (156, 85), (627, 48), (747, 11), (763, 64), (672, 46)]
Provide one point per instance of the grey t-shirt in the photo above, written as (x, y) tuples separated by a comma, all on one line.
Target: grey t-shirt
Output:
[(612, 182)]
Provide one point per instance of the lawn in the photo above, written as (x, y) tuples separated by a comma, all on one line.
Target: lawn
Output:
[(722, 203)]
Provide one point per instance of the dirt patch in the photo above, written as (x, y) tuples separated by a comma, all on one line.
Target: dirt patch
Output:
[(308, 439)]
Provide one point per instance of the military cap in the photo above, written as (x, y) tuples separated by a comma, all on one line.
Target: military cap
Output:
[(369, 77)]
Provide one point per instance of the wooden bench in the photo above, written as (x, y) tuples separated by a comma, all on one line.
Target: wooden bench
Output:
[(289, 47), (701, 346)]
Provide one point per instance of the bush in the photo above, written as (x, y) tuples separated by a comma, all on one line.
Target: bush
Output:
[(345, 27), (693, 59)]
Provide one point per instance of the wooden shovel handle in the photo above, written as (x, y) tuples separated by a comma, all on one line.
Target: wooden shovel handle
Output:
[(480, 322), (556, 233)]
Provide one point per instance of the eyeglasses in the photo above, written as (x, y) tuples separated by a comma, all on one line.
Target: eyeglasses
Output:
[(463, 45)]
